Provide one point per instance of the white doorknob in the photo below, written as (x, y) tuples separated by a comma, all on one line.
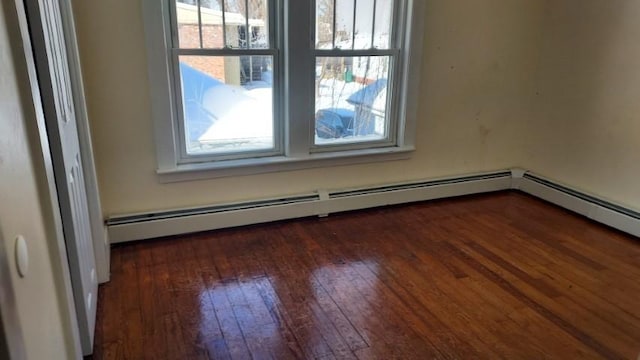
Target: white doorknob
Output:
[(22, 256)]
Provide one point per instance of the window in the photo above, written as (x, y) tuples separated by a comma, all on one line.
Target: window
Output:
[(225, 58), (244, 86)]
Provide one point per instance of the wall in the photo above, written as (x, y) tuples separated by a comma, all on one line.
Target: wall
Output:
[(480, 57), (21, 211), (585, 127)]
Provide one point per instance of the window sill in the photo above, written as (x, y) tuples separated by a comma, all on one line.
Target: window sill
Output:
[(211, 170)]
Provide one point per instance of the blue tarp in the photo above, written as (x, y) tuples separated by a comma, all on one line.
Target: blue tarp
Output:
[(367, 95)]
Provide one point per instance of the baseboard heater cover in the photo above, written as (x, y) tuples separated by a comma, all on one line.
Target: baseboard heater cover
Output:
[(166, 223), (172, 214), (184, 221), (602, 211)]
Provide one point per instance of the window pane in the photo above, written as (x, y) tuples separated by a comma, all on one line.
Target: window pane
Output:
[(210, 22), (373, 21), (242, 13), (227, 103), (351, 99), (383, 24), (344, 23), (364, 24), (258, 24), (211, 15), (188, 25), (324, 24)]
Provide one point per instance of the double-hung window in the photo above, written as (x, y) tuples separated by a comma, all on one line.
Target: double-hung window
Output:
[(247, 86)]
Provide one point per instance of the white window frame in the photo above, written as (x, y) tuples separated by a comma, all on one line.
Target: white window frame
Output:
[(274, 51), (296, 145)]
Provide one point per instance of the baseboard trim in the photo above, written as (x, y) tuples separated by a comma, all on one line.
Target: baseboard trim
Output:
[(324, 202)]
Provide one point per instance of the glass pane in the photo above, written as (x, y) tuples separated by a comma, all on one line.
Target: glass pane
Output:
[(383, 24), (373, 20), (344, 24), (212, 22), (324, 24), (351, 99), (227, 103), (188, 26), (235, 23), (211, 15), (364, 24), (259, 24), (239, 14)]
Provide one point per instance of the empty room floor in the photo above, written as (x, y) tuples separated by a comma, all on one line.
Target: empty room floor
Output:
[(502, 275)]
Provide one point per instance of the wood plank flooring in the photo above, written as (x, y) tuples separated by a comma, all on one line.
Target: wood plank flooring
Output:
[(485, 277)]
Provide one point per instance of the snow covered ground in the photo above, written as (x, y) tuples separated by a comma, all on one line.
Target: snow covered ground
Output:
[(241, 118)]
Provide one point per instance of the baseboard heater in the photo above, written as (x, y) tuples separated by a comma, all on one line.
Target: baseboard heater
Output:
[(602, 211), (323, 202)]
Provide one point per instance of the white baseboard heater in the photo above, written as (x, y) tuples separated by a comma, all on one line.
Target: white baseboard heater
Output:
[(599, 210), (321, 203), (324, 202)]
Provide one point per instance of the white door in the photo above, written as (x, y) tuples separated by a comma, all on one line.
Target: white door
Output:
[(47, 35)]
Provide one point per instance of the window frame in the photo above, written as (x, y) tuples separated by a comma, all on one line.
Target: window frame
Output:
[(394, 53), (274, 50), (294, 99)]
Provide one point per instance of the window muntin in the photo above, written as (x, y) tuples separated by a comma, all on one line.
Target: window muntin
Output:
[(225, 65)]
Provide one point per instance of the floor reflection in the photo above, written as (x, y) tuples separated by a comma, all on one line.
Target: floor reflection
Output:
[(310, 313), (346, 284), (239, 310)]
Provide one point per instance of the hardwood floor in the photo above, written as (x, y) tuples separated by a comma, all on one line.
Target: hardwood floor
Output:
[(493, 276)]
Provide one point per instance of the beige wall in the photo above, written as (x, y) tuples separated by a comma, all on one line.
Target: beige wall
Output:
[(21, 210), (584, 128), (479, 62)]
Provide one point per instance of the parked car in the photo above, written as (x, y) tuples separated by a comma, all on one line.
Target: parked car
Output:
[(334, 123)]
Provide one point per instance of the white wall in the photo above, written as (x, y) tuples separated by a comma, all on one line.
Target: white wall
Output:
[(479, 62), (584, 128), (23, 199)]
